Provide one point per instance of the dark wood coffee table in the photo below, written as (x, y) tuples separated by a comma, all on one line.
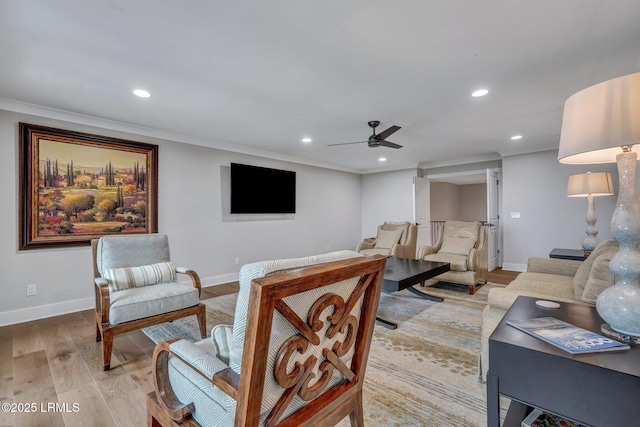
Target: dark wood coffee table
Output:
[(401, 273)]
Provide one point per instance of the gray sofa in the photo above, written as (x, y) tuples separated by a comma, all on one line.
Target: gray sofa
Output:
[(549, 278)]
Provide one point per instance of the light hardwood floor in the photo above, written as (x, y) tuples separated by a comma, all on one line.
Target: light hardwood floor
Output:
[(53, 369)]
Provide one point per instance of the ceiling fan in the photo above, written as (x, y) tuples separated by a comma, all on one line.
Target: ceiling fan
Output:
[(378, 140)]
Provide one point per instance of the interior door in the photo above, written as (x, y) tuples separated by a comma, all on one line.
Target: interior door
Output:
[(493, 218), (422, 210)]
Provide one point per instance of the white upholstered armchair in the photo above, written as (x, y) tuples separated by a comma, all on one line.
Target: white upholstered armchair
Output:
[(463, 244), (397, 239), (136, 286), (295, 355)]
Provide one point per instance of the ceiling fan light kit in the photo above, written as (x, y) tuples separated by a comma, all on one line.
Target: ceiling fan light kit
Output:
[(379, 140)]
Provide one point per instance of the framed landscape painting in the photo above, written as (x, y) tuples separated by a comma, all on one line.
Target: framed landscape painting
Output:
[(75, 187)]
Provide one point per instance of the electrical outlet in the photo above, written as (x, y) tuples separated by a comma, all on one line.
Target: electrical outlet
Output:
[(31, 290), (515, 215), (237, 260)]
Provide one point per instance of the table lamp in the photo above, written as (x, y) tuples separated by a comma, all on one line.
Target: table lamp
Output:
[(601, 124), (590, 185)]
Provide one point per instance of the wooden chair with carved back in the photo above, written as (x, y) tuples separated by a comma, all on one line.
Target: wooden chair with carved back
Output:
[(295, 355)]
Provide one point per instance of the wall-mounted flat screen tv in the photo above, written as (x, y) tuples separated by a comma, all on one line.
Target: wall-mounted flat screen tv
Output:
[(258, 190)]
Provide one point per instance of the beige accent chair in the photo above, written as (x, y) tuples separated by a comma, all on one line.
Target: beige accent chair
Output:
[(549, 278), (463, 244), (136, 286), (397, 239)]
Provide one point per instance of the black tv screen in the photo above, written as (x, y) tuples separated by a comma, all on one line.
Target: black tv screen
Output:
[(256, 190)]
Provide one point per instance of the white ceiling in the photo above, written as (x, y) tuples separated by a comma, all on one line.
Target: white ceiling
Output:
[(259, 75)]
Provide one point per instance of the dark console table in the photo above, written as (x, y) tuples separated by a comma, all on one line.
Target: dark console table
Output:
[(573, 254), (597, 389)]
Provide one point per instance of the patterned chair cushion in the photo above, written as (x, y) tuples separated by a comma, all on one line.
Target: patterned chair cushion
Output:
[(135, 277)]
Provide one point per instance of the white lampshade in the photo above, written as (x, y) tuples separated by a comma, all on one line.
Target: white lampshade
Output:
[(601, 119), (590, 184), (601, 124)]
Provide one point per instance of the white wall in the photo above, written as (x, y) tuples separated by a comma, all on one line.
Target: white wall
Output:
[(386, 196), (444, 201), (472, 202), (536, 186), (458, 202), (202, 236)]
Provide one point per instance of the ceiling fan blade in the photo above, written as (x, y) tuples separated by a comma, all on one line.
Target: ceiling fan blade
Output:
[(347, 143), (389, 144), (386, 133)]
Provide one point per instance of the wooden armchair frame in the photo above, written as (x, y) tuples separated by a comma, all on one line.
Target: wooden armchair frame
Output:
[(105, 331), (327, 406)]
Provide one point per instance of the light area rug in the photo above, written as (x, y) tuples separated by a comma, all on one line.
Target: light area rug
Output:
[(424, 373)]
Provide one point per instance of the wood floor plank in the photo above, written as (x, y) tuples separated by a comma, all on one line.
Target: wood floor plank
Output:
[(135, 361), (87, 407), (6, 374), (143, 341), (125, 400), (89, 315), (219, 290), (33, 384), (81, 330), (68, 370), (26, 338)]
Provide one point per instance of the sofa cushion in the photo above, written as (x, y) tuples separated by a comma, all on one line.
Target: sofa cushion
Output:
[(544, 278), (458, 262), (144, 275), (138, 303), (582, 275), (387, 238), (559, 289), (600, 278)]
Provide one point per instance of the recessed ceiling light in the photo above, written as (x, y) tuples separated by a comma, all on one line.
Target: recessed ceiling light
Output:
[(516, 137), (141, 93), (479, 92), (382, 159), (306, 140)]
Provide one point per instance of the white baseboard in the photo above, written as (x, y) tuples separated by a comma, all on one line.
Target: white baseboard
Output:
[(50, 310), (514, 267), (43, 311), (219, 280)]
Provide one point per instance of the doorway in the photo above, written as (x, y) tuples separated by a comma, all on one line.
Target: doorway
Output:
[(466, 196)]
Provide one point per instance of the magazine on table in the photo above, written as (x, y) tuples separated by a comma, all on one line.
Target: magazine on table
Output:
[(566, 336)]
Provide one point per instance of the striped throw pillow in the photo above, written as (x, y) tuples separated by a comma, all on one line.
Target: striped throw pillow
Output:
[(135, 277)]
